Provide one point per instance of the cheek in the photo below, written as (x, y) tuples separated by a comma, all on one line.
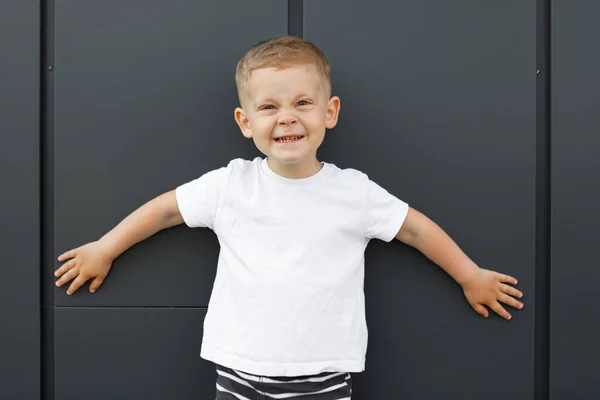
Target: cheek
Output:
[(262, 126), (316, 120)]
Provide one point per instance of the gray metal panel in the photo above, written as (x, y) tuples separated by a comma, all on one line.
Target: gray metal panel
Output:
[(20, 199), (438, 106), (144, 100), (575, 327), (131, 353)]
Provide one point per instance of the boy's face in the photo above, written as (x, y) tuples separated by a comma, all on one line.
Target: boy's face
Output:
[(286, 113)]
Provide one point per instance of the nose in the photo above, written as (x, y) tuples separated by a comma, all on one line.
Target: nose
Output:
[(287, 119)]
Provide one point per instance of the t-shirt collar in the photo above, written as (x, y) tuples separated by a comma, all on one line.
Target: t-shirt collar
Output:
[(295, 182)]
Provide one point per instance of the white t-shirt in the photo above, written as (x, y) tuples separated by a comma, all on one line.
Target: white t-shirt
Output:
[(288, 295)]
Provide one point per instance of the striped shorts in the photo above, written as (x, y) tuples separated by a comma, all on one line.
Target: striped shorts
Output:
[(236, 385)]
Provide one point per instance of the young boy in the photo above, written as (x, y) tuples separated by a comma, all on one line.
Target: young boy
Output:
[(286, 316)]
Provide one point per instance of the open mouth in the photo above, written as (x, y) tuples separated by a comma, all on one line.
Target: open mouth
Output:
[(289, 139)]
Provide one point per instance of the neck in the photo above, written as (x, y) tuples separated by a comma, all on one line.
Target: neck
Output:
[(300, 170)]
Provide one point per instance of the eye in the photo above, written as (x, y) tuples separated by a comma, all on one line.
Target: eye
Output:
[(267, 107), (303, 102)]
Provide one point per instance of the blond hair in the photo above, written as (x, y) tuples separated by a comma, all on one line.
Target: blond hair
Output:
[(281, 52)]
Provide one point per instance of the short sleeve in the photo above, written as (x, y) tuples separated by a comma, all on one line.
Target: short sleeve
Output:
[(385, 213), (198, 200)]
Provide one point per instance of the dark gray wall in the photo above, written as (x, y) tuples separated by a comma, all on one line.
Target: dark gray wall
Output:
[(20, 199), (143, 101), (575, 272), (438, 106)]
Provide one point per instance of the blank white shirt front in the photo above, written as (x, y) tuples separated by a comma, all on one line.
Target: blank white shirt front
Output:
[(288, 295)]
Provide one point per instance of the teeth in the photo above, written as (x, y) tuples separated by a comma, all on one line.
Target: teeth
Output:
[(289, 139)]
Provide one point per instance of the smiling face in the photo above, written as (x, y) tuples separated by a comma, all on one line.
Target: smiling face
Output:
[(285, 111)]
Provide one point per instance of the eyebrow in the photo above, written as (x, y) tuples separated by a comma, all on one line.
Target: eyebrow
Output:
[(270, 100), (267, 100)]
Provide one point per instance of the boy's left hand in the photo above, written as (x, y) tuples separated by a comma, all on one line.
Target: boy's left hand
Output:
[(489, 288)]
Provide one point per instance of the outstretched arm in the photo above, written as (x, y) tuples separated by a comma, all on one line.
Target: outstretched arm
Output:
[(480, 286), (94, 260)]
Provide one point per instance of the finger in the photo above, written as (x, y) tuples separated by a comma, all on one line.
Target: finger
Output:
[(65, 267), (77, 283), (69, 275), (500, 310), (96, 284), (68, 254), (506, 278), (511, 291), (511, 301), (481, 310)]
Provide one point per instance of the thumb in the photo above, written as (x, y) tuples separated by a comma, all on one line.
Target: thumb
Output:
[(96, 284), (480, 309)]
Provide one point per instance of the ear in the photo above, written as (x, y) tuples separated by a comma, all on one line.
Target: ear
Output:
[(243, 122), (333, 110)]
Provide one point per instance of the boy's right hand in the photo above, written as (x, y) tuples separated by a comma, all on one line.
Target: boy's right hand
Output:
[(90, 261)]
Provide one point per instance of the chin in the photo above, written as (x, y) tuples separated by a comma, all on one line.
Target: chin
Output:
[(287, 160)]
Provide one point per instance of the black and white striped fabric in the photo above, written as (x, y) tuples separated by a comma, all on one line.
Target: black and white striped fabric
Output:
[(236, 385)]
